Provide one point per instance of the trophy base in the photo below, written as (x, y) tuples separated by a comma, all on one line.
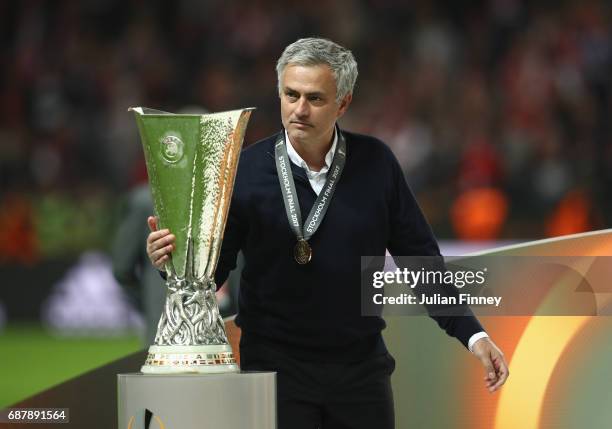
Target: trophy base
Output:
[(203, 359)]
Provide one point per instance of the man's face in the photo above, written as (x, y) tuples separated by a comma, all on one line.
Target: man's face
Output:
[(308, 103)]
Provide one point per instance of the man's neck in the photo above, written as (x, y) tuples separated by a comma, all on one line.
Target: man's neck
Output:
[(313, 153)]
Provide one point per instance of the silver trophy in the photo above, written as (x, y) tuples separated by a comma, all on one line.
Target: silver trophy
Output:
[(191, 162)]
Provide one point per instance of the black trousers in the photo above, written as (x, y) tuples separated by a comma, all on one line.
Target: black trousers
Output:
[(327, 395)]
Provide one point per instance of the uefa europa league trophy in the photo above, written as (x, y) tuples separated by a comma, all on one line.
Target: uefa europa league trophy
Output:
[(191, 162)]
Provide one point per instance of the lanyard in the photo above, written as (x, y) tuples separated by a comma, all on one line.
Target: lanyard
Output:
[(302, 251)]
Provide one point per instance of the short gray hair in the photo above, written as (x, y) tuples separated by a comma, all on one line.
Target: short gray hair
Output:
[(315, 51)]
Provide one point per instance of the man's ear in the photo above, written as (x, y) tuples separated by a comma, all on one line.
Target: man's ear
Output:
[(344, 104)]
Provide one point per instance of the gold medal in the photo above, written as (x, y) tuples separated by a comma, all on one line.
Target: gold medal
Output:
[(302, 252)]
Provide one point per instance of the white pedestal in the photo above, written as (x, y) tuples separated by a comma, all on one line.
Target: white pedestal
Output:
[(190, 401)]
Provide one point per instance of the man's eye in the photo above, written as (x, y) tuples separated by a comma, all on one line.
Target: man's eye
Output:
[(292, 96)]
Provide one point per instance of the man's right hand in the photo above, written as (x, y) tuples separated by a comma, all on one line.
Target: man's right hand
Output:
[(159, 244)]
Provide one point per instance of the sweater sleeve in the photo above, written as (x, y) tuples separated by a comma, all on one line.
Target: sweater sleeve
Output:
[(411, 235)]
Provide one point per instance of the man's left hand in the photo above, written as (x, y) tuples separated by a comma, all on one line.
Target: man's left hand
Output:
[(494, 362)]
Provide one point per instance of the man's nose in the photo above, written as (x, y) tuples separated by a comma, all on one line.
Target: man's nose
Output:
[(302, 109)]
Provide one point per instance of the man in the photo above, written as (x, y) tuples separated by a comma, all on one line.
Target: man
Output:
[(299, 305), (130, 265)]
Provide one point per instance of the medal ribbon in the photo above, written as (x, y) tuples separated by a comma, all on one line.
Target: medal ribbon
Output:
[(321, 204)]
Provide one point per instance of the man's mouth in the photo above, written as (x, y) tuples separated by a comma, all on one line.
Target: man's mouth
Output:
[(304, 124)]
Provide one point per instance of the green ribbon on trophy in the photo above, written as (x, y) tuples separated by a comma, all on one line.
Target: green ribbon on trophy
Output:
[(191, 162)]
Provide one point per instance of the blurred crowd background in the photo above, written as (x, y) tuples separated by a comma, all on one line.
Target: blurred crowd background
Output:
[(499, 111)]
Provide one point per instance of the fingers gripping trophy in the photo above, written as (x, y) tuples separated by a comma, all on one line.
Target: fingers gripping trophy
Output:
[(191, 162)]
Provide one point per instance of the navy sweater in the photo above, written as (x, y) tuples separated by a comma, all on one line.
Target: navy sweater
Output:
[(313, 311)]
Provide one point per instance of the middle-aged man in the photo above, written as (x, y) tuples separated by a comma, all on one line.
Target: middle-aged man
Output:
[(308, 203)]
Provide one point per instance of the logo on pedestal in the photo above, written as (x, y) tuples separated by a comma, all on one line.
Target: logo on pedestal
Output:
[(146, 420)]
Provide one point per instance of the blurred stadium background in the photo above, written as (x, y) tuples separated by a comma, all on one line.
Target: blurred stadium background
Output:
[(499, 112)]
